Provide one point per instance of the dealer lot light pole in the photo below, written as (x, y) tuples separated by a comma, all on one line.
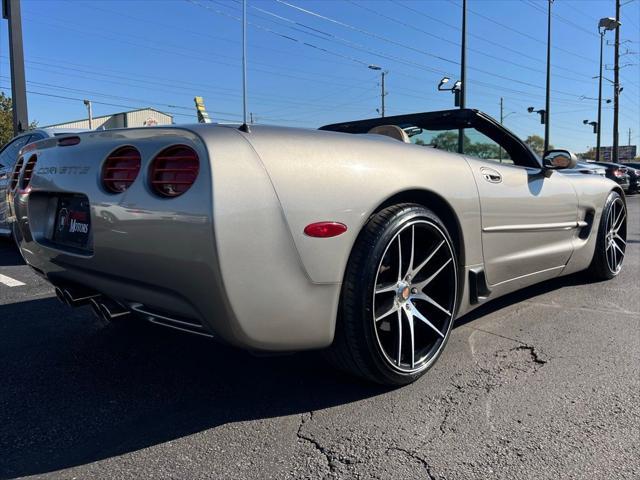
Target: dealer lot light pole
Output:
[(547, 105), (383, 93), (604, 24), (89, 112), (11, 12), (463, 73), (616, 86)]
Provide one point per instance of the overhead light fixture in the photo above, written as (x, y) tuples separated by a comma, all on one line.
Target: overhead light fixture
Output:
[(609, 23), (444, 81)]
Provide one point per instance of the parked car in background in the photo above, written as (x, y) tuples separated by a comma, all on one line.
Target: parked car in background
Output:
[(617, 173), (586, 168), (8, 158), (635, 165), (266, 238), (634, 178)]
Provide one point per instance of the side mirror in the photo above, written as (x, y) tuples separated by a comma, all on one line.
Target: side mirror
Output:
[(559, 159)]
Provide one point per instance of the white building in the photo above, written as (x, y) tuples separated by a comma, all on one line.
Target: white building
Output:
[(143, 117)]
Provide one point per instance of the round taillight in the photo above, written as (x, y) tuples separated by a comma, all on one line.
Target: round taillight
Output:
[(28, 171), (174, 170), (120, 169), (16, 174)]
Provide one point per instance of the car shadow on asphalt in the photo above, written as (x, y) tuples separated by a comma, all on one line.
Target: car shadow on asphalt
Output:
[(9, 254), (75, 390), (580, 278)]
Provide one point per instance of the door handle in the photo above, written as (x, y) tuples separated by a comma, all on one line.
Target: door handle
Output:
[(491, 175)]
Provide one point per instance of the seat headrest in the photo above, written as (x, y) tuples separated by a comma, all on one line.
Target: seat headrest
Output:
[(392, 131)]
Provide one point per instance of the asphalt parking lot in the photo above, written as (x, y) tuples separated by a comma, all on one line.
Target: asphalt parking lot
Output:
[(544, 383)]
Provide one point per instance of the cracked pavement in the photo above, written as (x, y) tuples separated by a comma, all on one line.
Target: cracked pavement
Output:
[(543, 383)]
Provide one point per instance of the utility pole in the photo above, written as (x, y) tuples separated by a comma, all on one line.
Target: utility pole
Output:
[(11, 11), (244, 127), (501, 120), (606, 23), (599, 98), (463, 73), (547, 106), (383, 94), (90, 112), (616, 86), (629, 138)]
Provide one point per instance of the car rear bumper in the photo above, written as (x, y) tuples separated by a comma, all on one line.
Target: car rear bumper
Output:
[(215, 257)]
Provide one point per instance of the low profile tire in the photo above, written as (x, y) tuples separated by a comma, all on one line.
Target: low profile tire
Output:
[(398, 298), (612, 239)]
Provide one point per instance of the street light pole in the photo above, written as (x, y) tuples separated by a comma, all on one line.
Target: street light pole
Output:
[(604, 24), (501, 120), (382, 91), (616, 86), (548, 99), (463, 73), (90, 113), (382, 94), (11, 11), (599, 98)]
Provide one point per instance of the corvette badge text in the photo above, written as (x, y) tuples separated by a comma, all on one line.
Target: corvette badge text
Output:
[(63, 170)]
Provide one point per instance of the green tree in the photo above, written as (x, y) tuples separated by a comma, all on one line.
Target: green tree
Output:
[(449, 141), (589, 155), (536, 142), (484, 150), (6, 119)]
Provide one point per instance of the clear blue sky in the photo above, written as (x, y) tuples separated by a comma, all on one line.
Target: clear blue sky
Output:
[(308, 65)]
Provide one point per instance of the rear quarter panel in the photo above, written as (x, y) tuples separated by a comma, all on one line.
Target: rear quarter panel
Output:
[(329, 176)]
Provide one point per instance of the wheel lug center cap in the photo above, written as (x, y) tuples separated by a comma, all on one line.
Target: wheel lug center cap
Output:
[(404, 293)]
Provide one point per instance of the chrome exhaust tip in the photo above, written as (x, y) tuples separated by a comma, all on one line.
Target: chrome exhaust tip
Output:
[(111, 310), (95, 308), (77, 297), (61, 296)]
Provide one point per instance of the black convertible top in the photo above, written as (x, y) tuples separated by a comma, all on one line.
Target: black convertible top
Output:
[(449, 120)]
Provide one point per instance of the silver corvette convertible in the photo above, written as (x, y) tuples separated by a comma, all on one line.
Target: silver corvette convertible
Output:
[(366, 238)]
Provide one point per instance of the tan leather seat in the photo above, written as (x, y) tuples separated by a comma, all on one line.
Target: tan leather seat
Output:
[(392, 131)]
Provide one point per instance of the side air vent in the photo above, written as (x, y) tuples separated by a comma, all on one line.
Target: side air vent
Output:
[(174, 170), (28, 171), (16, 174), (120, 169)]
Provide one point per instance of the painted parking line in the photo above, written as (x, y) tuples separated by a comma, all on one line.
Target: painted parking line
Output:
[(10, 282)]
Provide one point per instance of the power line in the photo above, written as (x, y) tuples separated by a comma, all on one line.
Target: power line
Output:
[(204, 57), (351, 27), (519, 32), (560, 18), (176, 86), (119, 105), (400, 60), (366, 32), (475, 50), (486, 40)]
